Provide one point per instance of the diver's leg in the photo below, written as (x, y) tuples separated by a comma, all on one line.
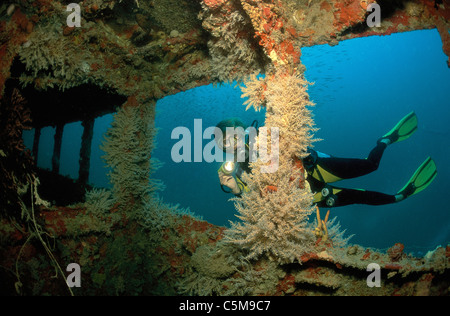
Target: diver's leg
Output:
[(352, 196), (346, 168)]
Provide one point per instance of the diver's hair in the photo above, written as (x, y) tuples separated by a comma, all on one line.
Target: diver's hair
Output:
[(230, 122)]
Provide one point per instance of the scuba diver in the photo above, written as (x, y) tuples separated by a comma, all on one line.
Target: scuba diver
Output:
[(323, 169)]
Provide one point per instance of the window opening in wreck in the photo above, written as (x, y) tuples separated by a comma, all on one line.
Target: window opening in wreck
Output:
[(46, 143), (195, 185), (363, 87), (65, 140), (70, 150), (359, 93)]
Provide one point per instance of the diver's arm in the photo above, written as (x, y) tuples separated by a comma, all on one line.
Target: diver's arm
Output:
[(230, 182)]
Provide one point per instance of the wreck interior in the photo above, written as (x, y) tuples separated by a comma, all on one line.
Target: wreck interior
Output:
[(127, 56)]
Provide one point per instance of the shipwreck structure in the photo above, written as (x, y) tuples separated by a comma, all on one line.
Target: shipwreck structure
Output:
[(122, 58)]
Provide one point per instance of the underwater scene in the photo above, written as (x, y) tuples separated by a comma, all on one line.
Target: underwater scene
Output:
[(224, 148)]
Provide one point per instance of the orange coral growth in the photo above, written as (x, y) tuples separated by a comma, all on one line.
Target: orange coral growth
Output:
[(298, 164), (399, 18), (363, 4), (67, 30), (396, 252), (16, 32), (269, 189), (191, 231), (308, 256), (325, 5), (131, 101), (20, 19), (348, 13), (287, 49), (44, 5), (267, 12), (366, 255), (130, 31), (95, 66), (214, 4), (277, 37), (292, 31), (392, 266), (443, 10), (286, 285), (15, 235), (56, 219)]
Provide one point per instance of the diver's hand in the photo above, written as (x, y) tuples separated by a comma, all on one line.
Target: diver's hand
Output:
[(230, 182)]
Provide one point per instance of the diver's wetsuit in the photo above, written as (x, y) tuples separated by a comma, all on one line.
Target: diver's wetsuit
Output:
[(323, 169)]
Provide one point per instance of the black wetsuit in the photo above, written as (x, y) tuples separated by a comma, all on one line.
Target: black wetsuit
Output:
[(323, 169)]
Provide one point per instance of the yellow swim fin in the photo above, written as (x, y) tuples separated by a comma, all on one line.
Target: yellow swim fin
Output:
[(421, 179), (403, 130)]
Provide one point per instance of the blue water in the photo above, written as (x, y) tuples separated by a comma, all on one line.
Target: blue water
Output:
[(363, 87)]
